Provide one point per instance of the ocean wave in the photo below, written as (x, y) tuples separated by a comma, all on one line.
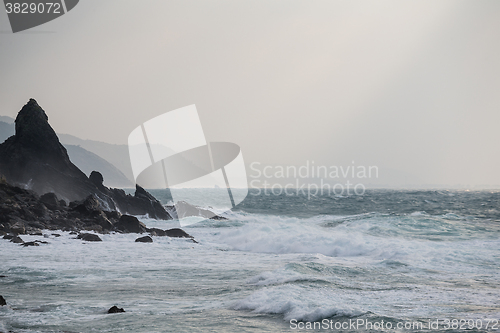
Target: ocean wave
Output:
[(296, 302), (281, 276), (287, 237)]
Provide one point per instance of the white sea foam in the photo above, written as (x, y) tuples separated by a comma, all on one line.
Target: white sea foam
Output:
[(280, 276), (296, 302), (307, 269)]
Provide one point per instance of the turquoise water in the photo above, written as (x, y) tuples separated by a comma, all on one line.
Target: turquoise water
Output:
[(400, 257)]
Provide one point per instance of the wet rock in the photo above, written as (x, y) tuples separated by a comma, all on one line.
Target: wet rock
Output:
[(18, 228), (184, 209), (41, 212), (30, 244), (145, 239), (50, 201), (141, 203), (17, 240), (88, 206), (157, 232), (113, 215), (36, 225), (89, 237), (103, 221), (179, 233), (115, 309), (130, 224)]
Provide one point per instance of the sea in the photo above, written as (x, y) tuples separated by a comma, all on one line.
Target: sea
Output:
[(384, 261)]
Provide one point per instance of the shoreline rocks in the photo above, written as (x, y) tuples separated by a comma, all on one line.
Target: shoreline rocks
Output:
[(23, 212), (35, 159)]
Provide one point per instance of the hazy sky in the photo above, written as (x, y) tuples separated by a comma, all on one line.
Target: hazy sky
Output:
[(412, 87)]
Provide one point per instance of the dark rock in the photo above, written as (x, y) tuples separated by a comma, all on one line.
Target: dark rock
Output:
[(56, 235), (115, 309), (18, 228), (141, 203), (34, 156), (145, 239), (113, 215), (36, 225), (50, 201), (65, 223), (2, 301), (96, 178), (87, 206), (179, 233), (103, 221), (184, 209), (94, 227), (157, 232), (130, 224), (89, 237), (30, 244), (41, 212), (17, 240), (8, 236)]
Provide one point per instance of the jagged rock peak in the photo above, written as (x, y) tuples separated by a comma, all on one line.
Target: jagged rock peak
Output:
[(32, 127)]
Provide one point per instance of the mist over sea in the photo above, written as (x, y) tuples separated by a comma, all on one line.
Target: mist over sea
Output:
[(391, 256)]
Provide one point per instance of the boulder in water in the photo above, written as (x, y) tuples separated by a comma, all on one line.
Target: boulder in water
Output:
[(17, 240), (89, 237), (130, 224), (145, 239), (115, 309), (179, 233)]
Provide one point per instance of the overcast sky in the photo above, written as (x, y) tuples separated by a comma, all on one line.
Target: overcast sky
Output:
[(412, 87)]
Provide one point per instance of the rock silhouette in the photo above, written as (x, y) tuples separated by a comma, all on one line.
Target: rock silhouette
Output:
[(34, 159)]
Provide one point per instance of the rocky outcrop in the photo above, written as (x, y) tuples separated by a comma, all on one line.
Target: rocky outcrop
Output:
[(50, 201), (17, 240), (89, 237), (23, 212), (142, 203), (145, 239), (184, 209), (176, 232), (130, 224), (34, 158), (115, 309)]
